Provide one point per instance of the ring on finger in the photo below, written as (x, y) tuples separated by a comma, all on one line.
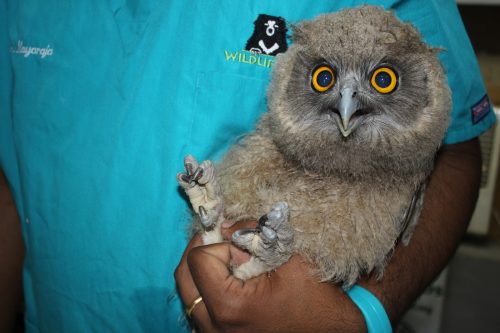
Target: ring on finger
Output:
[(190, 308)]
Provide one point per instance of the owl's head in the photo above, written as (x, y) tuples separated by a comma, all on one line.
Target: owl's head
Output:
[(358, 92)]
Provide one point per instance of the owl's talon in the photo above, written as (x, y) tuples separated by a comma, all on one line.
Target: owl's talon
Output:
[(263, 219), (186, 178), (270, 243), (268, 235), (184, 181), (201, 186), (198, 173), (204, 216), (242, 233), (277, 211), (189, 169), (190, 164)]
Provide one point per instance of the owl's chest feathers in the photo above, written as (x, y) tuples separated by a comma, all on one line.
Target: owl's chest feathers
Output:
[(336, 221), (256, 175)]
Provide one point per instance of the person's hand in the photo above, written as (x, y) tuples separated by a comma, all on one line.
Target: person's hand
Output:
[(289, 299)]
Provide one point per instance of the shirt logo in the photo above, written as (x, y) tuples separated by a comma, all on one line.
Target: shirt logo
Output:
[(268, 39), (27, 51), (269, 35), (480, 109)]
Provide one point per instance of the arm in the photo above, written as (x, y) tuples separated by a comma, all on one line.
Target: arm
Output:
[(11, 257), (290, 300), (448, 206)]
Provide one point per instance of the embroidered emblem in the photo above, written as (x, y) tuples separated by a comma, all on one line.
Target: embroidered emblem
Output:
[(249, 58), (269, 36), (480, 109)]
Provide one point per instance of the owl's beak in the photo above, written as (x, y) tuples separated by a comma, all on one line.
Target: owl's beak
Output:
[(348, 106)]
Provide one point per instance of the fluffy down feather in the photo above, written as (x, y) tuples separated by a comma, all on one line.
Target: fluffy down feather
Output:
[(350, 197)]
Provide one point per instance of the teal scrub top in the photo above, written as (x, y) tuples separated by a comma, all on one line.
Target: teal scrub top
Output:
[(99, 103)]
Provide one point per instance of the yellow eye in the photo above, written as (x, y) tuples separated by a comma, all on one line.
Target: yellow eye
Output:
[(323, 78), (384, 80)]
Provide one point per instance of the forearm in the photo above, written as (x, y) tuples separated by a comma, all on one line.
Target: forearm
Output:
[(11, 256), (448, 205)]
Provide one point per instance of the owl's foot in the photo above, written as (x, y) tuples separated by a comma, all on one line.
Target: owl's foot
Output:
[(270, 243), (204, 192)]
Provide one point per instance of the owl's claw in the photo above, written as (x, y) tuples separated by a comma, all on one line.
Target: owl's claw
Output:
[(198, 173), (268, 235), (270, 243), (193, 171), (185, 180), (189, 166), (263, 219), (204, 219), (201, 186), (243, 232)]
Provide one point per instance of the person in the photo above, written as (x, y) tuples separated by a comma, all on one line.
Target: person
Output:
[(100, 102)]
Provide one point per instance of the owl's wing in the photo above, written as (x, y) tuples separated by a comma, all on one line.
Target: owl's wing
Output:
[(410, 218)]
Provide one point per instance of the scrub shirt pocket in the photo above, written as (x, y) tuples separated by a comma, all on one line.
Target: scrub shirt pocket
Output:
[(225, 107)]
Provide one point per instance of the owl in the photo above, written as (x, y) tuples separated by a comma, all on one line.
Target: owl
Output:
[(336, 169)]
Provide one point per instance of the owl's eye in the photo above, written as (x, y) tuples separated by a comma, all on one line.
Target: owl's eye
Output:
[(384, 80), (323, 78)]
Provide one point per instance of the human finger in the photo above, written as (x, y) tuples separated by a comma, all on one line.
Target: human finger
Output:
[(185, 284), (210, 269)]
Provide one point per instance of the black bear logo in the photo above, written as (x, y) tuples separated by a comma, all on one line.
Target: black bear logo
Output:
[(269, 35)]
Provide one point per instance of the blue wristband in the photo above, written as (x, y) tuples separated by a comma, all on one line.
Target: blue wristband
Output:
[(375, 316)]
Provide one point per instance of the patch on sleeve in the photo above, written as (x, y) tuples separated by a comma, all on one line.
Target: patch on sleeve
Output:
[(480, 109)]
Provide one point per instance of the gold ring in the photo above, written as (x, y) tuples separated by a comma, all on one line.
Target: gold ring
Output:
[(190, 309)]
